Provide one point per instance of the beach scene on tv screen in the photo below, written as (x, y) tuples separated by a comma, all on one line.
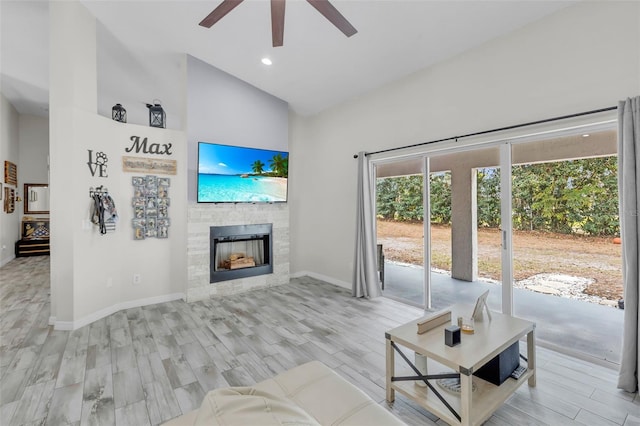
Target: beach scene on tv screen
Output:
[(239, 174)]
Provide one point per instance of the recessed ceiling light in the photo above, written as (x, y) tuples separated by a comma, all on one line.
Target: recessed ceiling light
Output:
[(586, 135), (266, 61)]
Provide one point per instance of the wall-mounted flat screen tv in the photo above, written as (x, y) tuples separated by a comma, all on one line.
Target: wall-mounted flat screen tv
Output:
[(234, 174)]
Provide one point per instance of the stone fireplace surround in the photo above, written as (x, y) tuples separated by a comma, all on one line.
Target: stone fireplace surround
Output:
[(202, 216)]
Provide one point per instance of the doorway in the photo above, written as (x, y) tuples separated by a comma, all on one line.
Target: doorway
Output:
[(485, 183)]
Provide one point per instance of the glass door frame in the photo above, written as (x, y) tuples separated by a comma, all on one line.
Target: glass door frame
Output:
[(506, 228), (426, 231), (505, 143)]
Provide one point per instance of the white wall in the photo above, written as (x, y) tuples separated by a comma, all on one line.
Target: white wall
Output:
[(92, 274), (9, 151), (224, 109), (584, 57), (138, 77), (104, 265)]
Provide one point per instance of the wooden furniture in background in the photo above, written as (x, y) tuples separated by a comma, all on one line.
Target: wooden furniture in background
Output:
[(35, 238)]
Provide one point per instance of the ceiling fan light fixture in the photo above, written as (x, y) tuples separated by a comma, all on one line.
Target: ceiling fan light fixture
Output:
[(325, 8), (266, 61)]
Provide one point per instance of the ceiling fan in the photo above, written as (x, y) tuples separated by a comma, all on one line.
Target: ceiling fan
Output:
[(277, 17)]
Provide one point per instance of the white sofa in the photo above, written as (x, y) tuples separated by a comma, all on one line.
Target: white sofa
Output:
[(310, 394)]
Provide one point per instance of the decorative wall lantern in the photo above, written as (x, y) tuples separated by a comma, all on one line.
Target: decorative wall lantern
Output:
[(118, 113), (157, 116)]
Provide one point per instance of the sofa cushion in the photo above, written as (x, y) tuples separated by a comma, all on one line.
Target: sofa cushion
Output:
[(326, 396), (244, 406), (309, 394)]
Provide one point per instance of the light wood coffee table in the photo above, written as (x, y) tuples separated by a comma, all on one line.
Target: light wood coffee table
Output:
[(475, 350)]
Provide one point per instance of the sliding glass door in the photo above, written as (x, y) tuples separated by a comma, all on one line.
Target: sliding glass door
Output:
[(533, 221), (566, 263), (455, 254), (400, 229), (464, 227)]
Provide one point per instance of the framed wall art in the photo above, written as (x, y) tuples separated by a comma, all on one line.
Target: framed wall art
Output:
[(9, 200), (10, 173), (150, 205)]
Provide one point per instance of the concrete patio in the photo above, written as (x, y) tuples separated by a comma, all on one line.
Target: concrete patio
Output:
[(582, 329)]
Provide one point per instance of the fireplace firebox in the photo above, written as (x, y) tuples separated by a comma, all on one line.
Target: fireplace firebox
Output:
[(240, 251)]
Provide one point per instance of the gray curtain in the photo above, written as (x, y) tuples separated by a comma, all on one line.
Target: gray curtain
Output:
[(365, 272), (629, 186)]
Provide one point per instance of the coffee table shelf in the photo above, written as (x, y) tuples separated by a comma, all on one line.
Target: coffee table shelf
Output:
[(489, 340), (487, 398)]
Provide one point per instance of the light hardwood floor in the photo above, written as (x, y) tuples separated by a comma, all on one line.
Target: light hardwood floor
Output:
[(146, 365)]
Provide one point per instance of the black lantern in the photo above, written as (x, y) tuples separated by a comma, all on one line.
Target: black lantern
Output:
[(157, 116), (118, 113)]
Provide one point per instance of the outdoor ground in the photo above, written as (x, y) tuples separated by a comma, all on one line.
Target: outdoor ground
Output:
[(534, 253)]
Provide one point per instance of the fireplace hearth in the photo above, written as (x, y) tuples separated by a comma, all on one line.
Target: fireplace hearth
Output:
[(240, 251)]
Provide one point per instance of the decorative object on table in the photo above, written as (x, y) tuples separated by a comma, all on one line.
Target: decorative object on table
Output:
[(421, 365), (433, 321), (150, 204), (157, 116), (10, 173), (103, 210), (468, 325), (452, 335), (452, 385), (118, 113), (149, 165), (481, 305)]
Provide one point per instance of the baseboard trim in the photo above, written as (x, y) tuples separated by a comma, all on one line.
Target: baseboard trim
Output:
[(7, 260), (321, 277), (74, 325)]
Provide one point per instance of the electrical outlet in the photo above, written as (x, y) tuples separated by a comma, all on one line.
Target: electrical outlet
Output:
[(137, 278)]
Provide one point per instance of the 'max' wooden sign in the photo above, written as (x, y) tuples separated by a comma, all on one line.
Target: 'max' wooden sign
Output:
[(141, 145)]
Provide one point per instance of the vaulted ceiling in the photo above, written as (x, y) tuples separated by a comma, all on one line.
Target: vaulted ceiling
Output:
[(140, 43)]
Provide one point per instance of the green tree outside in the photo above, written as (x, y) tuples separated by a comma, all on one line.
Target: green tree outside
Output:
[(569, 197)]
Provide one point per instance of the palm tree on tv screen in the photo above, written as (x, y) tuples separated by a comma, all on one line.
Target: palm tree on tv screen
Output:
[(280, 165), (258, 167)]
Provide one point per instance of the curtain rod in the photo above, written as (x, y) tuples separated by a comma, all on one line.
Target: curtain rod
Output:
[(484, 132)]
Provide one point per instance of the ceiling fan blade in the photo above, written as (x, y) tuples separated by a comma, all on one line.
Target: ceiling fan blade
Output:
[(277, 22), (219, 12), (331, 13)]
